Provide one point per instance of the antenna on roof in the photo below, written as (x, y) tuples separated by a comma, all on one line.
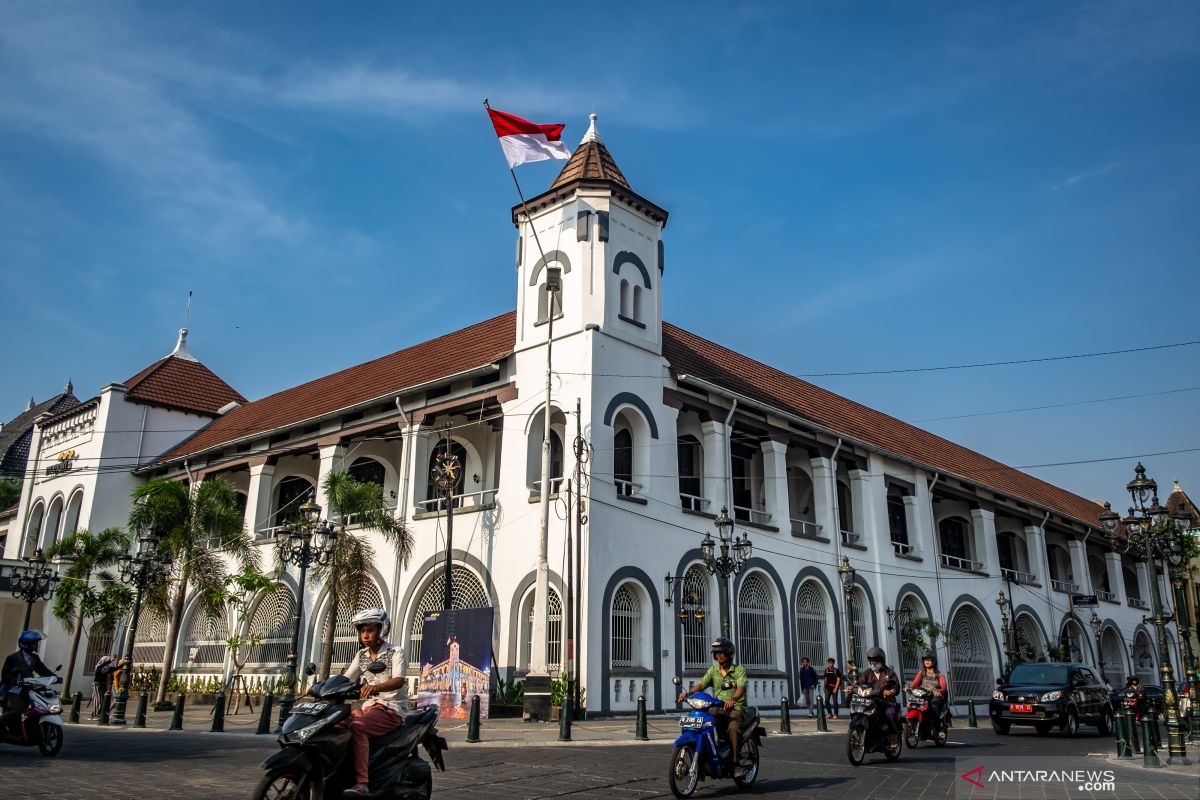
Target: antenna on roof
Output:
[(187, 314)]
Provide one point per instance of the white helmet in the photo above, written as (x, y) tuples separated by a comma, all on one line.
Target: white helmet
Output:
[(372, 616)]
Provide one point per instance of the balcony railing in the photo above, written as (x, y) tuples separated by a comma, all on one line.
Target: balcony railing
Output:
[(852, 538), (627, 488), (805, 529), (1066, 587), (752, 515), (1137, 602), (693, 502), (1016, 576), (465, 502), (555, 486), (902, 548), (965, 564), (1103, 595)]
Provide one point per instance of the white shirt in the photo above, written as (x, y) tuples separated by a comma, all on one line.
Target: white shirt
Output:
[(393, 656)]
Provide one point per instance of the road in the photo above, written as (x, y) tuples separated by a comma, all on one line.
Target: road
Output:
[(120, 764)]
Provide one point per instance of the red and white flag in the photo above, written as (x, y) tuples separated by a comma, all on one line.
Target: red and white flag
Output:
[(523, 141)]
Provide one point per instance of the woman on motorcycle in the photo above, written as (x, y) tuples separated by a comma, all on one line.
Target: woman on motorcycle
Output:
[(934, 681)]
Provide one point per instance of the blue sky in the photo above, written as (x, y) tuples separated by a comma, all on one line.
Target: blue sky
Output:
[(851, 186)]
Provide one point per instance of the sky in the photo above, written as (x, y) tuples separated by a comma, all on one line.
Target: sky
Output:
[(851, 187)]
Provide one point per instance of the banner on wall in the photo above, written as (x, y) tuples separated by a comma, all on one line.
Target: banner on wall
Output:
[(456, 661)]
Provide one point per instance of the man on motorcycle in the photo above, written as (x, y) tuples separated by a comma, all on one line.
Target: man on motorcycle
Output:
[(880, 676), (931, 679), (385, 697), (728, 682), (25, 663)]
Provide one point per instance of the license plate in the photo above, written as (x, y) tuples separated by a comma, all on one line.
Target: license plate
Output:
[(309, 708), (691, 723), (1021, 708)]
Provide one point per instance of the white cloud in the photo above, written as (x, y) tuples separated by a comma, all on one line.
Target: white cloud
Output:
[(1085, 175)]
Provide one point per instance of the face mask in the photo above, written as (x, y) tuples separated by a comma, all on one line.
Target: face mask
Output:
[(876, 664)]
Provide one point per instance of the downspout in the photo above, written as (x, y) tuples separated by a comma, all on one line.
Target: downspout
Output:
[(142, 437), (402, 506), (729, 457)]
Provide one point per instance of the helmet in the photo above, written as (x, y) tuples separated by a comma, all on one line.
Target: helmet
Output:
[(723, 645), (29, 640), (372, 616), (931, 657), (876, 654)]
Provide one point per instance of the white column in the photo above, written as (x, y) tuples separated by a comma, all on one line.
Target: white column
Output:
[(983, 522), (922, 535), (1035, 541), (716, 464), (332, 457), (1116, 578), (1143, 578), (1079, 569), (912, 515), (775, 487), (258, 498), (868, 495), (826, 516)]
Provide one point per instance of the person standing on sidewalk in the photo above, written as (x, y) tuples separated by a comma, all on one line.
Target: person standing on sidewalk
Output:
[(104, 668), (808, 682), (833, 685)]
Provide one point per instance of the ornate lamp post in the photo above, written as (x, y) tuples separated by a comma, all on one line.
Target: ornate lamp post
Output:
[(1010, 653), (139, 572), (1177, 560), (1144, 538), (309, 541), (33, 582), (719, 561), (1096, 626), (846, 573)]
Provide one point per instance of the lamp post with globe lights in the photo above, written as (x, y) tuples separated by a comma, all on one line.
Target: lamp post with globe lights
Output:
[(139, 571), (846, 573), (725, 558), (33, 582), (1096, 626)]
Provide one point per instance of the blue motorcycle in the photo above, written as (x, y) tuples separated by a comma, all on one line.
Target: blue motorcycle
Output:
[(700, 753)]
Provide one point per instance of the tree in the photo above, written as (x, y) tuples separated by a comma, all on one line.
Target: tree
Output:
[(347, 574), (236, 593), (197, 526), (86, 554), (10, 492)]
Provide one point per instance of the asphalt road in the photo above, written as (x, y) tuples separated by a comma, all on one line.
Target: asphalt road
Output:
[(120, 764)]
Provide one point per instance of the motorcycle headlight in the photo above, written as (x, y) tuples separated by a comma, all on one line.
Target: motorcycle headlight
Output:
[(997, 695), (302, 735), (697, 703), (1050, 697), (55, 709)]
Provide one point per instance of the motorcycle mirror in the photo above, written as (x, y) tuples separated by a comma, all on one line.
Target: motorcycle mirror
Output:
[(311, 669), (58, 668), (999, 681), (678, 681), (376, 667)]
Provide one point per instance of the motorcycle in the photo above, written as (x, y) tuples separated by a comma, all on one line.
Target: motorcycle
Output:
[(700, 753), (316, 762), (868, 732), (1135, 702), (921, 723), (41, 723)]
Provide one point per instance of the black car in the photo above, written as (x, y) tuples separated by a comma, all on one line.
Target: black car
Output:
[(1052, 694)]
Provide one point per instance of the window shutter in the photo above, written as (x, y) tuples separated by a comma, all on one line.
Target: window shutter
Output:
[(662, 260), (583, 226), (602, 225), (520, 248)]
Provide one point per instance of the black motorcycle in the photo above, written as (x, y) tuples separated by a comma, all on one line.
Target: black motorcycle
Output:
[(868, 728), (922, 724), (316, 760)]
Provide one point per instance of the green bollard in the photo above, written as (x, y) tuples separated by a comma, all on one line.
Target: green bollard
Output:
[(1122, 736), (640, 733), (473, 721), (264, 717), (1134, 732), (1149, 756), (105, 708), (822, 723), (218, 723), (785, 717), (564, 719), (139, 719), (972, 720), (75, 707), (1155, 733), (177, 714)]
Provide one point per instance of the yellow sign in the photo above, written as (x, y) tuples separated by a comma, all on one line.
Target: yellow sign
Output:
[(66, 455)]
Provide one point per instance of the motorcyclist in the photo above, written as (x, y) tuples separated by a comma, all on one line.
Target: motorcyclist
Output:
[(879, 676), (728, 682), (1134, 686), (934, 681), (25, 663), (385, 696)]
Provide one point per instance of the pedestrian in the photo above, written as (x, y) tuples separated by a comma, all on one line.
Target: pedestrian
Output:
[(833, 685), (117, 672), (104, 667), (808, 682)]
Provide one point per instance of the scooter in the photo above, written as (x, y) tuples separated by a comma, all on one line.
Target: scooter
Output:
[(868, 732), (700, 753), (316, 759), (41, 723), (921, 723)]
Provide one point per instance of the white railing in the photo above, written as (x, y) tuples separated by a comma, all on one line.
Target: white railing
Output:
[(850, 537), (1065, 587), (751, 515), (555, 486), (1137, 602), (467, 500), (693, 502), (1016, 576), (902, 548), (627, 488), (965, 564), (356, 519), (1103, 595), (805, 529)]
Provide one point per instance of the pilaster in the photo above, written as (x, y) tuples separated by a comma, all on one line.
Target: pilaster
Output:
[(775, 487), (716, 465), (258, 498), (823, 510), (984, 522), (1116, 579)]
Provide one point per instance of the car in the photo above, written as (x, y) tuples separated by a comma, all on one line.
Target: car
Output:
[(1046, 695)]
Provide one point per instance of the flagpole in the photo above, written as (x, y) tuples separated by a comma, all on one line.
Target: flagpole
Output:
[(537, 681)]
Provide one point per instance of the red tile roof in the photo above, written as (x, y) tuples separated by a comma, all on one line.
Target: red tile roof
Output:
[(591, 161), (181, 383), (481, 344)]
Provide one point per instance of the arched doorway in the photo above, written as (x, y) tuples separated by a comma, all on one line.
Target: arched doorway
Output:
[(1144, 661), (345, 638), (468, 593), (971, 673), (1115, 669)]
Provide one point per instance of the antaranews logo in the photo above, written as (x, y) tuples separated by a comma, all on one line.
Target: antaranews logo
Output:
[(1013, 777)]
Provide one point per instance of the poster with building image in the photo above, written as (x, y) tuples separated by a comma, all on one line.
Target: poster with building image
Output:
[(456, 660)]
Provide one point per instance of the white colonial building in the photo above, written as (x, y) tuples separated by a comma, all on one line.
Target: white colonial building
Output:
[(677, 427)]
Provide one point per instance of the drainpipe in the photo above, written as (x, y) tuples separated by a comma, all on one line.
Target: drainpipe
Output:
[(402, 506), (142, 435), (937, 564), (729, 457)]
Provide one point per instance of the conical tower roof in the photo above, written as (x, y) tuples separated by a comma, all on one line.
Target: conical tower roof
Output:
[(591, 161)]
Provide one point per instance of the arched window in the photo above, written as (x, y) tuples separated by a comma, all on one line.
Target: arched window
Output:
[(800, 503), (272, 622), (1143, 655), (910, 656), (626, 628), (756, 624), (1029, 643), (554, 617), (53, 520), (637, 303), (1114, 656), (693, 618), (433, 492), (1006, 549), (812, 623), (468, 592), (623, 308), (204, 642), (33, 530), (368, 470), (536, 437), (345, 638), (623, 462), (291, 493), (74, 508), (858, 624), (971, 676), (691, 472), (952, 535), (151, 640), (1060, 563), (1073, 640)]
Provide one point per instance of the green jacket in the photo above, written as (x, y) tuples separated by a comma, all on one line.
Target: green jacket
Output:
[(725, 686)]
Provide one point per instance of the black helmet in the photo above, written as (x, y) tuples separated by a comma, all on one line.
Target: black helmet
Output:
[(722, 645), (929, 656), (876, 654)]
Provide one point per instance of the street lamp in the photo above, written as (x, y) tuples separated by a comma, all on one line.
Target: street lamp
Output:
[(297, 545), (1177, 560), (846, 573), (722, 563), (33, 582), (1096, 625), (1144, 537), (138, 571), (1010, 653)]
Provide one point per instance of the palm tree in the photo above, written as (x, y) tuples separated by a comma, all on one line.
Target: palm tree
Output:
[(347, 574), (86, 554), (197, 526)]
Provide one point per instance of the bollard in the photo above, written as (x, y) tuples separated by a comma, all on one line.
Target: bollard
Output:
[(177, 714), (75, 707), (972, 720), (1122, 736), (264, 717), (822, 723), (1149, 756), (1134, 731), (785, 717), (1155, 733), (105, 707), (564, 720), (218, 723), (139, 719), (473, 721), (640, 733)]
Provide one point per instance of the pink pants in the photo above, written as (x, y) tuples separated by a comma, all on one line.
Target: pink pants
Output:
[(375, 721)]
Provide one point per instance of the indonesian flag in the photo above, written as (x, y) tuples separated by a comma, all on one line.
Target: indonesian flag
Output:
[(523, 141)]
